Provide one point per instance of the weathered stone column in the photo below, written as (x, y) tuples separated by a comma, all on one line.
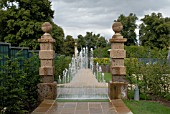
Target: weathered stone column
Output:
[(118, 85), (168, 56), (75, 50), (47, 89)]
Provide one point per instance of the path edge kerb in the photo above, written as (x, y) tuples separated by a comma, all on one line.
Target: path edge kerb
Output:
[(120, 106)]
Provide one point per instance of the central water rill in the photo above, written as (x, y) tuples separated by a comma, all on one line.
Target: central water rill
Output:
[(80, 82)]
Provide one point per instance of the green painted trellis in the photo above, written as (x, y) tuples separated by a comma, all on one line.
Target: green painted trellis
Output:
[(7, 51)]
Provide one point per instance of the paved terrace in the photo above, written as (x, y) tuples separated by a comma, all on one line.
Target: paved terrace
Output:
[(53, 107)]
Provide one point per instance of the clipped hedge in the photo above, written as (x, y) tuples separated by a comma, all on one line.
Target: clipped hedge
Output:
[(145, 52), (134, 52)]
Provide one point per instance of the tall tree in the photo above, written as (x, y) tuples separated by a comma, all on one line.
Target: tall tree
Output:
[(91, 40), (20, 22), (129, 26), (155, 31), (58, 34), (69, 45), (101, 42), (81, 42)]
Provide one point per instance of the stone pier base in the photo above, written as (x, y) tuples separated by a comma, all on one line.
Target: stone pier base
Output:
[(47, 91), (117, 90)]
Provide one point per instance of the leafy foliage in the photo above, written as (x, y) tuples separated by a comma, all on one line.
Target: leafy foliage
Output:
[(21, 21), (145, 52), (91, 41), (31, 68), (18, 81), (58, 34), (129, 26), (69, 46), (19, 85), (152, 79), (154, 31), (134, 52), (102, 52), (148, 75), (61, 62), (102, 61)]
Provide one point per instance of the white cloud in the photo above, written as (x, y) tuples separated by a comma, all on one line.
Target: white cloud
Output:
[(81, 16)]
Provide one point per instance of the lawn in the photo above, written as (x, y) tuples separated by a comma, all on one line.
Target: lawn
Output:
[(107, 76), (146, 107)]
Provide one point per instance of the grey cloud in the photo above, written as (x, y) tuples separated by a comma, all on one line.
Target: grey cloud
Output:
[(100, 14)]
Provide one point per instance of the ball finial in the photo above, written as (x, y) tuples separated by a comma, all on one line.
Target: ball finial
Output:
[(46, 27), (117, 27)]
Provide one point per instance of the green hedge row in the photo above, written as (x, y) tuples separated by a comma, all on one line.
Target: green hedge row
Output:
[(134, 52), (145, 52)]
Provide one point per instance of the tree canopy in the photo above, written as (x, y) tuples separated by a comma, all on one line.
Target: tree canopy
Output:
[(155, 31), (58, 34), (69, 44), (91, 40), (129, 26), (20, 22)]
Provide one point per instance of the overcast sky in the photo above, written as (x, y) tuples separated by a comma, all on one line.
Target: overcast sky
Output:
[(97, 16)]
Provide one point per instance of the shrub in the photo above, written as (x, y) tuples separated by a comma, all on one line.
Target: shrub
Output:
[(31, 68), (19, 85), (61, 62), (152, 79), (102, 52), (134, 52), (146, 68), (145, 52)]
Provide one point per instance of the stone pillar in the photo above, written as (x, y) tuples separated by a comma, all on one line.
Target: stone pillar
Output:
[(118, 85), (75, 50), (168, 57), (47, 89)]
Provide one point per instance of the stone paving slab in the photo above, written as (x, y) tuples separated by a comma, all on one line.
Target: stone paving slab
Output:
[(53, 107), (46, 107)]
